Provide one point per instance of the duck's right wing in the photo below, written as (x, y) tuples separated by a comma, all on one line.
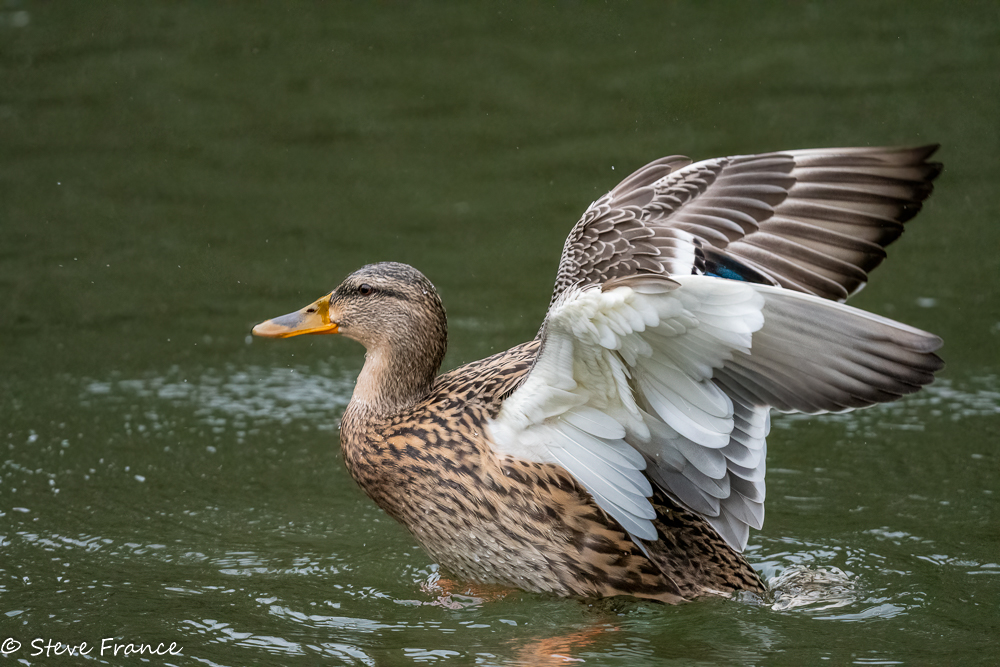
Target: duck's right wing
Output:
[(671, 380)]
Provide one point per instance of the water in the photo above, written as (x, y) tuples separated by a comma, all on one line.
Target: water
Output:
[(171, 175)]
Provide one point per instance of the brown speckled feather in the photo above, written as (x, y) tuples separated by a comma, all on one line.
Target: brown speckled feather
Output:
[(514, 522)]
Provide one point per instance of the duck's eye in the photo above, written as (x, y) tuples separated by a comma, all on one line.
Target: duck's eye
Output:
[(365, 289)]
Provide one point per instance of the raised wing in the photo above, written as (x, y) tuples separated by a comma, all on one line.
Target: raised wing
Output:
[(670, 380), (815, 221)]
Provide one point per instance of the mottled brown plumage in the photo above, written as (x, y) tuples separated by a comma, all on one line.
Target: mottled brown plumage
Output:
[(529, 525), (423, 447)]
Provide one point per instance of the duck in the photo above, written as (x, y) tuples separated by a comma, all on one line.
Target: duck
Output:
[(622, 451)]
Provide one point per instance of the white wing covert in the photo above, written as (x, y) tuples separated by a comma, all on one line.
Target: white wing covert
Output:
[(623, 369), (671, 380)]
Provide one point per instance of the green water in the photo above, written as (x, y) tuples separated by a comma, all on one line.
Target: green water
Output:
[(171, 174)]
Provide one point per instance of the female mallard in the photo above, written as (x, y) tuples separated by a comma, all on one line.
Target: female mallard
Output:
[(622, 451)]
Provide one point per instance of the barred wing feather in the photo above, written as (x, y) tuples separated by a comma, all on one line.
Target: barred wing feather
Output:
[(814, 220)]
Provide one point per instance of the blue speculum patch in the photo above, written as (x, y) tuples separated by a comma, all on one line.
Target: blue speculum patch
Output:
[(724, 272)]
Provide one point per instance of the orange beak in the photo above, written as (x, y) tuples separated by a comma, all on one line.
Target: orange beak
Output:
[(313, 319)]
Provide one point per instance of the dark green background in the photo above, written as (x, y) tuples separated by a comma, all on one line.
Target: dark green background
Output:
[(172, 173)]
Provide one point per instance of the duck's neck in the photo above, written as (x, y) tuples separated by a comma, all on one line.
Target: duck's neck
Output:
[(397, 376)]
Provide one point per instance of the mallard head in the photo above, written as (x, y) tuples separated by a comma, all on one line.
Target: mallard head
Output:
[(390, 308)]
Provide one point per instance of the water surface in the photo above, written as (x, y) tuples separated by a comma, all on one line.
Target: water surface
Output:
[(172, 174)]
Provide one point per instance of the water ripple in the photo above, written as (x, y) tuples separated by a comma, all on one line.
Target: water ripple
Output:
[(976, 397), (279, 395)]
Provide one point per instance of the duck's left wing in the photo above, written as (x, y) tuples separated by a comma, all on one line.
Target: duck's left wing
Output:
[(671, 380)]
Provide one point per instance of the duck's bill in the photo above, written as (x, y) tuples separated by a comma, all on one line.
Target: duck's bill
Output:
[(313, 319)]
